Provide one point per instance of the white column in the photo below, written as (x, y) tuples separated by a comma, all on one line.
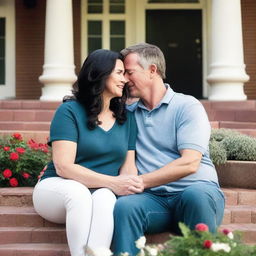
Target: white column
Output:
[(227, 69), (58, 70)]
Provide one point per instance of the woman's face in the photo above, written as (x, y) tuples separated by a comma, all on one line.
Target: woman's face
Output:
[(116, 81)]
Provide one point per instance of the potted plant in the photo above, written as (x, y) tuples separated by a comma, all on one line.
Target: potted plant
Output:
[(234, 155)]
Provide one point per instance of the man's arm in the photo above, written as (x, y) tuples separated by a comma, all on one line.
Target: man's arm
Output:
[(187, 164)]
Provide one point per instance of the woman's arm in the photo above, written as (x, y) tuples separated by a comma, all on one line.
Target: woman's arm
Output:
[(64, 153)]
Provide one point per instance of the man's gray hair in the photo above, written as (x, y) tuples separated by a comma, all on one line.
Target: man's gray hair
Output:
[(148, 54)]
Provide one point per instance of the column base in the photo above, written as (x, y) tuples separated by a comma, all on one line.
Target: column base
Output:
[(55, 92), (227, 92)]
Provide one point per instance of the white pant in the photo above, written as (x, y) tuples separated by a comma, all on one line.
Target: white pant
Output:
[(88, 217)]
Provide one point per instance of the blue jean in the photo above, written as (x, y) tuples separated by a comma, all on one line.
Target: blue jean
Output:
[(135, 215)]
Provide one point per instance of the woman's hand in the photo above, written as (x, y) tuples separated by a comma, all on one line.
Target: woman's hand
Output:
[(127, 185)]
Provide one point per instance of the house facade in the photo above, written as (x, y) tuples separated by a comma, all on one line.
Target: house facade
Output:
[(209, 45)]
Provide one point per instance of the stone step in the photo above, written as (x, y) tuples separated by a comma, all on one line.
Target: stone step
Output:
[(37, 136), (10, 235), (22, 125), (240, 214), (22, 196), (34, 249), (11, 216)]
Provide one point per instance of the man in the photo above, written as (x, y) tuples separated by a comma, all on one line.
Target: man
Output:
[(180, 181)]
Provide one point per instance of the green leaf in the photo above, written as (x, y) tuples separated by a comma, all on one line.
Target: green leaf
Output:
[(184, 229)]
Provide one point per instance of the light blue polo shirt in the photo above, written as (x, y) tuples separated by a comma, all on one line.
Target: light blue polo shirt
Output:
[(178, 122)]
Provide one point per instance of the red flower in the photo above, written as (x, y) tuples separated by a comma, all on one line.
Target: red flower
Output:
[(202, 227), (225, 231), (14, 156), (13, 182), (25, 175), (6, 148), (17, 136), (20, 150), (7, 173), (207, 244)]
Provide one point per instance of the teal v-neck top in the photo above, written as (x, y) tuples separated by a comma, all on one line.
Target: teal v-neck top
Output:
[(99, 150)]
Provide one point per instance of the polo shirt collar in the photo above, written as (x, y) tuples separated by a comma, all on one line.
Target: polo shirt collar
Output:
[(165, 100)]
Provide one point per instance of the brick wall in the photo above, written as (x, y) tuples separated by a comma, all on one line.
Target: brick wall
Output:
[(30, 23), (30, 30), (249, 37)]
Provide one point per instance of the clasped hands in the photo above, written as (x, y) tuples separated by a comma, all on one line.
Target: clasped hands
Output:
[(127, 185)]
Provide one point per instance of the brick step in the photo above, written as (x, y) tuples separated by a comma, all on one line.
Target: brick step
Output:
[(33, 249), (248, 231), (28, 104), (236, 125), (31, 115), (37, 136), (22, 125), (240, 196), (240, 214), (22, 196), (232, 115), (11, 216), (9, 235), (227, 105)]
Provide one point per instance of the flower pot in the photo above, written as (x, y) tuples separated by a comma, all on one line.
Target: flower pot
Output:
[(237, 174)]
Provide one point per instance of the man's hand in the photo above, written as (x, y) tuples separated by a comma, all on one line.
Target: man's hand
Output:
[(127, 185)]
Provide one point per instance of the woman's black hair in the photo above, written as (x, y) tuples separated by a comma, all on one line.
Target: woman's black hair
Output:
[(90, 85)]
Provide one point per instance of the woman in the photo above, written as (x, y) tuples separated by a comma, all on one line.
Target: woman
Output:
[(93, 142)]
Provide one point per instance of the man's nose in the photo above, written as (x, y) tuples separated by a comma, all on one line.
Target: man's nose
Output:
[(126, 77)]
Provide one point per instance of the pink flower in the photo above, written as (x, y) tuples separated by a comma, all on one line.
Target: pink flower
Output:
[(202, 227), (20, 150), (25, 175), (207, 244), (6, 148), (13, 182), (225, 231), (7, 173), (14, 156), (17, 136)]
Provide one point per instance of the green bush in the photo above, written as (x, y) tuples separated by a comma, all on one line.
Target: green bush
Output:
[(226, 144)]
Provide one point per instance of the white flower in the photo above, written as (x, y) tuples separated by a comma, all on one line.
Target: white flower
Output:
[(124, 254), (230, 235), (140, 243), (151, 250), (101, 252), (220, 246)]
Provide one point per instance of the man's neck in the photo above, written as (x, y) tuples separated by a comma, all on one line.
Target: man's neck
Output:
[(154, 95)]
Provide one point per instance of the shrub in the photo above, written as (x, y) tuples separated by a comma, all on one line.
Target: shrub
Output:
[(21, 162), (226, 144)]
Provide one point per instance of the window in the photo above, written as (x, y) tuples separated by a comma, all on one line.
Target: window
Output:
[(116, 6), (2, 51), (172, 1), (94, 35), (117, 35), (104, 25), (95, 6)]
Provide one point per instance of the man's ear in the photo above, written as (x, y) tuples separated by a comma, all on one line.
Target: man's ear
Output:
[(153, 69)]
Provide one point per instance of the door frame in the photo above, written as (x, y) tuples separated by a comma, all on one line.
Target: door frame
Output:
[(142, 5), (7, 11)]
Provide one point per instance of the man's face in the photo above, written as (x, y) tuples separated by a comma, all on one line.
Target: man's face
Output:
[(137, 76)]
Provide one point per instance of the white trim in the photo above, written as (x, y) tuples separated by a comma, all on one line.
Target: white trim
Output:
[(7, 10)]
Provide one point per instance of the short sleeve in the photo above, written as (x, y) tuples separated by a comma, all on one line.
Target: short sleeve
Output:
[(64, 125), (132, 131), (193, 128)]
